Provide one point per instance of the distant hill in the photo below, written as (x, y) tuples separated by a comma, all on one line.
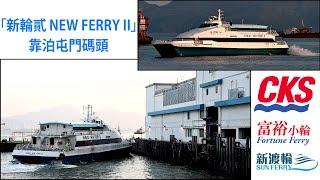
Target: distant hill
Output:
[(32, 119), (67, 113), (179, 16)]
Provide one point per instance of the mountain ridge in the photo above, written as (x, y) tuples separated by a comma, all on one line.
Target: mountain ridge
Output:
[(180, 16)]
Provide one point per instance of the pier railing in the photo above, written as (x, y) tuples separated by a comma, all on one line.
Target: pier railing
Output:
[(221, 155)]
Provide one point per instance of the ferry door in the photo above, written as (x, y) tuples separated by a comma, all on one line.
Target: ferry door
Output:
[(212, 128)]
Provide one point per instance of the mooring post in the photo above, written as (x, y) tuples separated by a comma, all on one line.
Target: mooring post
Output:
[(233, 156), (247, 157), (228, 153)]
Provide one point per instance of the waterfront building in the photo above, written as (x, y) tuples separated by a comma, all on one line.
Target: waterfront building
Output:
[(213, 103)]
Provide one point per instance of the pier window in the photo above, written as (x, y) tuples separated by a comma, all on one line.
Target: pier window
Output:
[(201, 132), (228, 133), (244, 133), (188, 132), (201, 114), (180, 93)]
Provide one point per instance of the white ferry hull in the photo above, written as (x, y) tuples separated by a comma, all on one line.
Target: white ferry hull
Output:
[(221, 49), (83, 154)]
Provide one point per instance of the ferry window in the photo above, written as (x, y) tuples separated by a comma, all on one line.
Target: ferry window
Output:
[(207, 91), (64, 126), (43, 128), (34, 140), (47, 126), (216, 89), (188, 115), (188, 132), (201, 132), (208, 25), (51, 141)]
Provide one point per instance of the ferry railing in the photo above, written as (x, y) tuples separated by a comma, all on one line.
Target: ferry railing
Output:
[(161, 41), (272, 32), (41, 148), (39, 133), (281, 42)]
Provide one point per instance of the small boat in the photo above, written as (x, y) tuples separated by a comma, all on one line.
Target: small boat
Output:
[(139, 131), (216, 37), (143, 37), (8, 146), (8, 143), (300, 32)]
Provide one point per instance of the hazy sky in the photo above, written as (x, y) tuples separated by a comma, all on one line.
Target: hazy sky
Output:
[(30, 86)]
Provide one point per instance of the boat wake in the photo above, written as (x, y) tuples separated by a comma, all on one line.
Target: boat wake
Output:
[(60, 165), (299, 51), (16, 167)]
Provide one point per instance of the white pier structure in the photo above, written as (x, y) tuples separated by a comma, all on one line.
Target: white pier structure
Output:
[(212, 103)]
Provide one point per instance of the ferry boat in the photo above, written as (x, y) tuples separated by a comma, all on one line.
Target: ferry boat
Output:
[(143, 37), (73, 142), (216, 37), (300, 32)]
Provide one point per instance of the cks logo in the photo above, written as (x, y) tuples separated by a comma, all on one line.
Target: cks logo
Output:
[(284, 91)]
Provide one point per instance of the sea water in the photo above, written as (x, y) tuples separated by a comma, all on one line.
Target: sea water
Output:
[(129, 167), (303, 55)]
